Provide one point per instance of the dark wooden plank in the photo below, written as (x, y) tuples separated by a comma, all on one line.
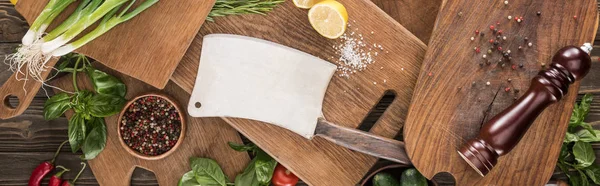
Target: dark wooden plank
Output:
[(15, 168), (12, 25)]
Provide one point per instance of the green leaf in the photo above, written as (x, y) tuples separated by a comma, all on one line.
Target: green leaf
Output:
[(242, 147), (96, 139), (188, 180), (264, 166), (76, 131), (207, 172), (564, 152), (584, 106), (80, 102), (584, 179), (106, 84), (574, 179), (104, 105), (593, 172), (248, 177), (584, 154), (587, 136), (56, 106), (570, 137), (589, 128)]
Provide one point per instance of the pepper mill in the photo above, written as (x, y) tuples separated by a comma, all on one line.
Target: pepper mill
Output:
[(502, 133)]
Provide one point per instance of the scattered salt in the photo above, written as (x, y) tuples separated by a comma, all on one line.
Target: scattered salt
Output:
[(355, 54)]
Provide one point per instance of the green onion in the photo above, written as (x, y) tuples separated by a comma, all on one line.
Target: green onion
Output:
[(110, 20), (48, 14), (84, 8)]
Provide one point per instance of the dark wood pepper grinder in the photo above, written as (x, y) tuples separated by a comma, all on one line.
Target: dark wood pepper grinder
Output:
[(502, 133)]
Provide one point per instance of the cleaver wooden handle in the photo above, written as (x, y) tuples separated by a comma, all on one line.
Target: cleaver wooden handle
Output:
[(363, 142), (502, 133), (23, 90)]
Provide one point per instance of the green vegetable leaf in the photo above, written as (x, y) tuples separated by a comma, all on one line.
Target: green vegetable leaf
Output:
[(76, 131), (264, 166), (587, 136), (570, 137), (104, 105), (580, 111), (248, 177), (207, 172), (56, 106), (412, 177), (574, 179), (188, 180), (242, 147), (79, 103), (105, 83), (96, 139), (593, 172), (584, 179), (584, 154)]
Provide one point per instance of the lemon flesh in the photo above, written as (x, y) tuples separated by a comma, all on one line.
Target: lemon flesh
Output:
[(329, 18)]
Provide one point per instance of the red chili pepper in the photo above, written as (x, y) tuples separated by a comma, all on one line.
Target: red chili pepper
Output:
[(72, 183), (56, 179), (44, 168)]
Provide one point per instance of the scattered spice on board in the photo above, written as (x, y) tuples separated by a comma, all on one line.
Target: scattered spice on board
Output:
[(355, 54), (151, 125)]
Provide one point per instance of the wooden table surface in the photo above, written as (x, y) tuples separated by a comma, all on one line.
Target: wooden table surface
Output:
[(28, 140)]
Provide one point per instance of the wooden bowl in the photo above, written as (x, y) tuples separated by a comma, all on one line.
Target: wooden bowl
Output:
[(161, 156)]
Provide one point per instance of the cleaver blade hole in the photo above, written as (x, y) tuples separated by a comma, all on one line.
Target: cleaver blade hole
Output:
[(11, 101), (197, 104)]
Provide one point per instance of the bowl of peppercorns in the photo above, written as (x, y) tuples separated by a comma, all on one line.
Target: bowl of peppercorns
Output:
[(151, 126)]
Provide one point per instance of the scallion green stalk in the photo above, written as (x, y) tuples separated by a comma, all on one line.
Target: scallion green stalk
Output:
[(109, 21), (84, 8), (81, 24), (48, 14)]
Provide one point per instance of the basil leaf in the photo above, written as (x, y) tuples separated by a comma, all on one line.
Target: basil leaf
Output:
[(96, 139), (584, 154), (104, 105), (564, 152), (242, 147), (588, 127), (584, 106), (76, 131), (188, 180), (207, 172), (264, 166), (593, 172), (56, 106), (248, 177), (574, 179), (570, 137), (587, 136), (105, 83), (80, 102), (584, 180)]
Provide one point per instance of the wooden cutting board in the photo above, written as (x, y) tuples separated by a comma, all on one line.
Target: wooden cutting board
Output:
[(147, 47), (448, 109), (205, 137), (347, 102)]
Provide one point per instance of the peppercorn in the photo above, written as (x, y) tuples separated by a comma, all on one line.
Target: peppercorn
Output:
[(520, 65), (538, 13), (496, 42)]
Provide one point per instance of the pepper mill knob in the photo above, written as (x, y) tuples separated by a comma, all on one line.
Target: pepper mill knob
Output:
[(501, 134)]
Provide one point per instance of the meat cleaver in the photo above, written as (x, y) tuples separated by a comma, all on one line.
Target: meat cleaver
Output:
[(250, 78)]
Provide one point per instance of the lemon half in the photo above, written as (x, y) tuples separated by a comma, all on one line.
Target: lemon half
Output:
[(329, 18), (306, 4), (14, 2)]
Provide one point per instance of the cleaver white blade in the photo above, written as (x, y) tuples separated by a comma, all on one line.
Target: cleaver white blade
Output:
[(250, 78)]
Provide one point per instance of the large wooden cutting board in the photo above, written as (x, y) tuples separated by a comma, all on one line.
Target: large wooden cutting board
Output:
[(448, 108), (148, 47), (347, 102), (205, 137)]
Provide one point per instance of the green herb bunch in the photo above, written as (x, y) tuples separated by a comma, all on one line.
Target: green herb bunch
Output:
[(238, 7), (207, 172), (87, 129), (577, 157)]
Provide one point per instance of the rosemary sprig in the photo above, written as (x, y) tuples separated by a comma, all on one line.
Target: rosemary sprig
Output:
[(238, 7)]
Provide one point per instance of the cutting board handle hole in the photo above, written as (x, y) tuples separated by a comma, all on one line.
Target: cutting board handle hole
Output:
[(377, 111), (11, 101), (443, 177), (197, 104)]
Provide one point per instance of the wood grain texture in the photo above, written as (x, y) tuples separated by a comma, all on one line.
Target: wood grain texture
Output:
[(347, 101), (205, 137), (147, 47), (12, 26), (447, 109), (418, 16)]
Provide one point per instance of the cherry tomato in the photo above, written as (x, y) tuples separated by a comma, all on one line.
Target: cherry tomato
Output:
[(283, 177)]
